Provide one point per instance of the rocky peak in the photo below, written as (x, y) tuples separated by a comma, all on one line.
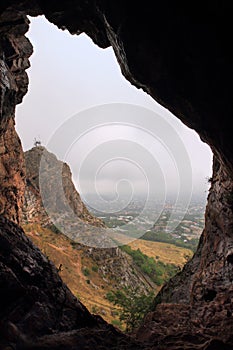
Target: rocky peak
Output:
[(33, 209)]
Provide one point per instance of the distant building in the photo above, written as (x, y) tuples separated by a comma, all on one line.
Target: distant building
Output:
[(37, 143)]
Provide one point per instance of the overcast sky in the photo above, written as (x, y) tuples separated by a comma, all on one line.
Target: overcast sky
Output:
[(70, 75)]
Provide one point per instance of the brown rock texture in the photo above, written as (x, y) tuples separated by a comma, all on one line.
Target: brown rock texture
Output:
[(12, 173), (181, 55), (33, 210), (15, 50)]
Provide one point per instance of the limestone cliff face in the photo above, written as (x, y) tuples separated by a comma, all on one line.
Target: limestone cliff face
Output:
[(181, 55), (33, 210)]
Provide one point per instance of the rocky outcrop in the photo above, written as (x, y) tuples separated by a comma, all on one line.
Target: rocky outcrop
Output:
[(15, 49), (181, 55), (33, 210), (118, 267)]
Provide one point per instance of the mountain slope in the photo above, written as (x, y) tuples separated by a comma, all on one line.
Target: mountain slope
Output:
[(89, 272), (166, 252), (78, 270)]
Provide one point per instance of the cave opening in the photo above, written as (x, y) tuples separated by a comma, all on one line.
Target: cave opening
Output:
[(83, 76), (70, 74), (181, 56)]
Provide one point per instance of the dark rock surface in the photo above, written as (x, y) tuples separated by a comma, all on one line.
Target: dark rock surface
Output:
[(37, 310), (181, 55), (15, 49), (33, 296)]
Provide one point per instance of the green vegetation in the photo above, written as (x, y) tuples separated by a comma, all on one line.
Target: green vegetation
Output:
[(95, 268), (112, 222), (53, 228), (158, 271), (133, 306), (117, 323), (95, 309), (86, 271), (166, 237)]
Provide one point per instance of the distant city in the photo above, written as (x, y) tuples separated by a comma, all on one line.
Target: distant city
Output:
[(164, 223)]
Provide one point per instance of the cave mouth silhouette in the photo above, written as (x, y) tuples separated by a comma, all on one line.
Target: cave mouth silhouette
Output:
[(187, 67), (22, 106), (124, 86)]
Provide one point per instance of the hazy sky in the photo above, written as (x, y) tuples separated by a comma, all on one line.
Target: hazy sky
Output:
[(110, 144)]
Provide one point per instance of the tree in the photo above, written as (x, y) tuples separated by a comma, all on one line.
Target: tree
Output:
[(133, 305)]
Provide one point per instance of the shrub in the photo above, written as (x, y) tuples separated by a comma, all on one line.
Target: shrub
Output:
[(155, 269), (117, 323), (95, 268), (86, 271), (95, 309), (133, 306)]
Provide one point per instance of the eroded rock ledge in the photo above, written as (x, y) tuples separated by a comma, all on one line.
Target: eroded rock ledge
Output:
[(181, 55)]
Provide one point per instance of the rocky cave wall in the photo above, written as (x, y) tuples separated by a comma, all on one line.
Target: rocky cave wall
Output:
[(14, 52), (180, 53)]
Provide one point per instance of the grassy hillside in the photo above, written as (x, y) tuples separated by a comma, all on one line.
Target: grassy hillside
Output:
[(81, 273), (165, 252), (78, 271)]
